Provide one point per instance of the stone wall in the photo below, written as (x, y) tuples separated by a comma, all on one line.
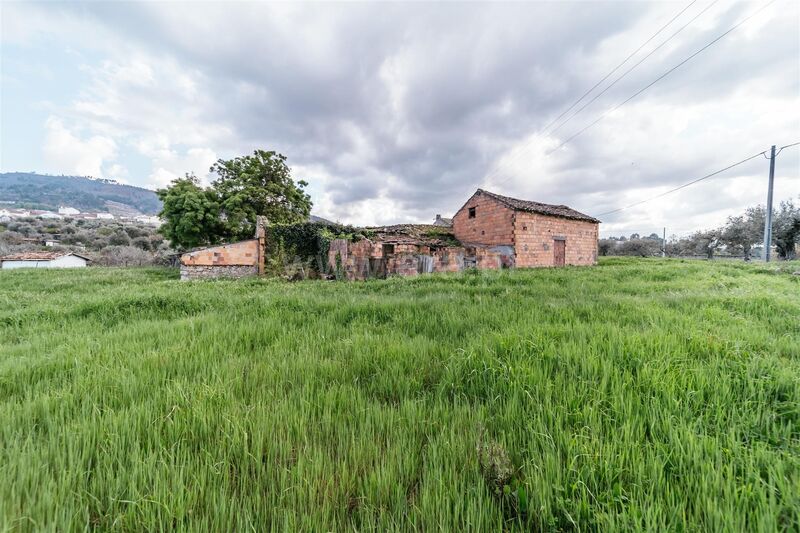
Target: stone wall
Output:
[(534, 235), (190, 272), (493, 223)]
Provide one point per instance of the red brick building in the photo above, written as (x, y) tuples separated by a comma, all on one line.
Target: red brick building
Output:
[(539, 235)]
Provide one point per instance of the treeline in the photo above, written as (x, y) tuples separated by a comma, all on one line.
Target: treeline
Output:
[(107, 243), (741, 236)]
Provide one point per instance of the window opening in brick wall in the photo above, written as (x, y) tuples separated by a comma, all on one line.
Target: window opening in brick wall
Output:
[(471, 212)]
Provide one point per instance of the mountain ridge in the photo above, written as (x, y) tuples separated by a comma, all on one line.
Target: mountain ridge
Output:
[(42, 191)]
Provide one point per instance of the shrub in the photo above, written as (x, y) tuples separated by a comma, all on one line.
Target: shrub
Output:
[(123, 256), (499, 473), (134, 232), (142, 242), (638, 247), (120, 238), (606, 246)]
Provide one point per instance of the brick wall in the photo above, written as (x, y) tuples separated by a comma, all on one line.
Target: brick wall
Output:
[(493, 223), (354, 257), (364, 259), (450, 259), (534, 234), (240, 253), (235, 260)]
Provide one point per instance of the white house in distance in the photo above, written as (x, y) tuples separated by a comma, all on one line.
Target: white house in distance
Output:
[(38, 213), (148, 219), (43, 260), (67, 210)]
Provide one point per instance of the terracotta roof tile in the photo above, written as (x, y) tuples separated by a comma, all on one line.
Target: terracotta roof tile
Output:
[(536, 207)]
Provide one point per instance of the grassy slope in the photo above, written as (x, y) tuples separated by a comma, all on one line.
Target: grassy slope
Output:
[(638, 394)]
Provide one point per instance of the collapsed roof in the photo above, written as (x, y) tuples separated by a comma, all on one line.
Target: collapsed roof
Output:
[(417, 234)]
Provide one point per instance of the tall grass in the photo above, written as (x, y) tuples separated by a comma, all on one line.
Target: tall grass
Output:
[(637, 395)]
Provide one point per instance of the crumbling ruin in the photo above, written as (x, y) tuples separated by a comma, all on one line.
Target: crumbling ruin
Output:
[(411, 249), (490, 231)]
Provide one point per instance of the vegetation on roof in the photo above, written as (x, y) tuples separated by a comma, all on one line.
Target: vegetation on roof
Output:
[(422, 234)]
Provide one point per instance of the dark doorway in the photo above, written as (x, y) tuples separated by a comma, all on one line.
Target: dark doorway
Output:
[(377, 267), (559, 252)]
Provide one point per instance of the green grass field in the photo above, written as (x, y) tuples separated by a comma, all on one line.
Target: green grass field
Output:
[(637, 395)]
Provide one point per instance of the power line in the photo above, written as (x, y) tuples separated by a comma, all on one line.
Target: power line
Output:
[(667, 73), (653, 51), (495, 170), (684, 185), (787, 146), (618, 66)]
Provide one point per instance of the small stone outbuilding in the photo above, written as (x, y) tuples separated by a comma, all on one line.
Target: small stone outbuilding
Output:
[(236, 260)]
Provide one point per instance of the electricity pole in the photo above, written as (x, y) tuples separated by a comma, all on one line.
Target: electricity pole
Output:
[(768, 217), (664, 244)]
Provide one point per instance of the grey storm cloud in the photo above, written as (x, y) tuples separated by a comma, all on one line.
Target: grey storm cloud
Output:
[(416, 102)]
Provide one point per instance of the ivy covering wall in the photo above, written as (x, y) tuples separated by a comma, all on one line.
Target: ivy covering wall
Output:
[(301, 250)]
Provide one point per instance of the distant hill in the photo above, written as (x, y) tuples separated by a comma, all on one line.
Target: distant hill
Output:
[(315, 218), (38, 191)]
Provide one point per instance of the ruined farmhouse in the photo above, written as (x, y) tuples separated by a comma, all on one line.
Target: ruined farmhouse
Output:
[(534, 234), (490, 231)]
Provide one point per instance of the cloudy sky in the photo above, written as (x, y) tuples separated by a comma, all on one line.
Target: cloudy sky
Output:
[(396, 112)]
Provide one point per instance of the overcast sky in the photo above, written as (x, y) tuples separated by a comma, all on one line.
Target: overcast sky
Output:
[(396, 112)]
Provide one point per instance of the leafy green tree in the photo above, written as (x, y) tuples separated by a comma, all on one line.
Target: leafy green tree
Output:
[(638, 247), (786, 229), (191, 214), (744, 231), (258, 184), (606, 246), (248, 186), (705, 242)]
